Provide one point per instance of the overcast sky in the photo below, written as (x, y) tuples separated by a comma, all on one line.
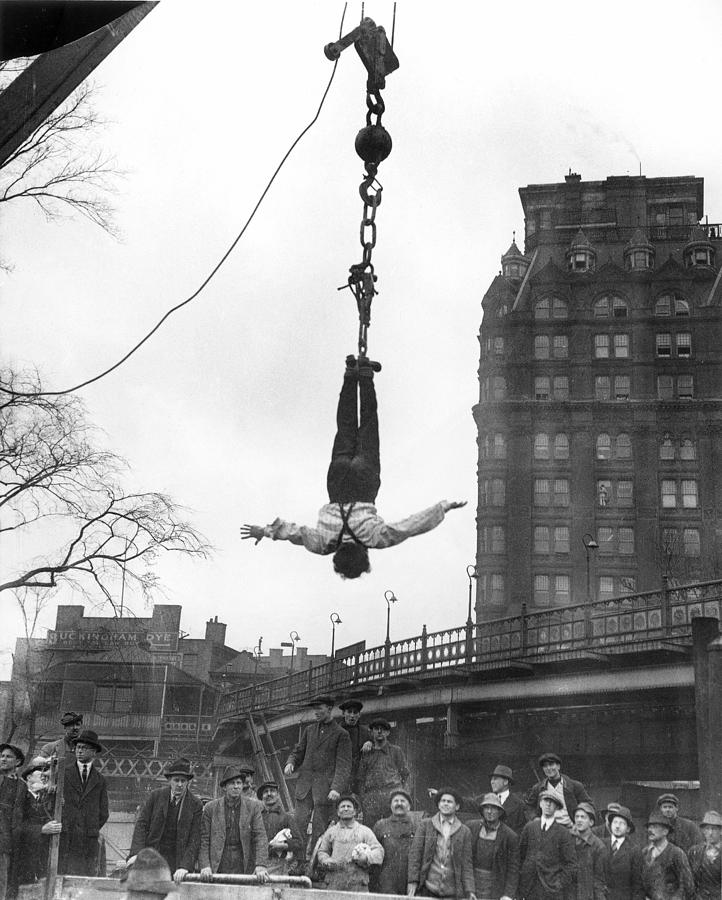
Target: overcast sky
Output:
[(230, 407)]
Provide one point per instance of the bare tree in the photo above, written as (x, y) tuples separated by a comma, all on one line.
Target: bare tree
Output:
[(65, 497), (59, 168)]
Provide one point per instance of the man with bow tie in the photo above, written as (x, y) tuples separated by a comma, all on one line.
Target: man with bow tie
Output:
[(170, 822), (85, 808)]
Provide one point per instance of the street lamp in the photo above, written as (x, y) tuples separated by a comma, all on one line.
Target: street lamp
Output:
[(294, 640), (590, 545), (471, 574), (257, 656), (335, 620), (390, 598)]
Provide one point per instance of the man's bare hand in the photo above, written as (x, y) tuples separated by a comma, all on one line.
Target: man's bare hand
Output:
[(333, 796), (367, 747), (452, 504), (179, 875), (289, 770), (252, 531)]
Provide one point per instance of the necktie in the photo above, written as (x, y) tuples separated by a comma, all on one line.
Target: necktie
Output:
[(615, 845), (85, 773)]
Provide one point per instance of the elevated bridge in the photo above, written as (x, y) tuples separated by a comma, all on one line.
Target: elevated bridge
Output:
[(609, 685)]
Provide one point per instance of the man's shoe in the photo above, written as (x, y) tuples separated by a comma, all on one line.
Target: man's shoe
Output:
[(365, 363)]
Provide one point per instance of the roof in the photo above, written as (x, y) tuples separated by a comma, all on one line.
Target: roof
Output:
[(581, 240)]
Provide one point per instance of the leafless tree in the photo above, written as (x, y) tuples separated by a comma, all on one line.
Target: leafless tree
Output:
[(65, 497), (59, 167)]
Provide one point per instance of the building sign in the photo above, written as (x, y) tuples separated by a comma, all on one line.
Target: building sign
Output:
[(107, 640)]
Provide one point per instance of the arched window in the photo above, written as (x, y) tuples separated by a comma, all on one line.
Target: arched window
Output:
[(541, 446), (611, 306), (687, 449), (623, 446), (559, 308), (541, 309), (604, 446), (671, 305), (499, 446), (666, 448)]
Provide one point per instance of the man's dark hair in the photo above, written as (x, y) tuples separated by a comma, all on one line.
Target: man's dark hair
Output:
[(351, 560)]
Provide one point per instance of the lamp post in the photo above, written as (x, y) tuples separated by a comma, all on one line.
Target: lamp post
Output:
[(590, 545), (471, 574), (257, 656), (335, 620), (292, 644), (390, 598)]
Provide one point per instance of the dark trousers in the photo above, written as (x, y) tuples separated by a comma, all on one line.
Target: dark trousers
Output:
[(355, 470), (78, 854), (319, 814)]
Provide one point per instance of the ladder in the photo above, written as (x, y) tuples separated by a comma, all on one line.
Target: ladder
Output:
[(266, 759)]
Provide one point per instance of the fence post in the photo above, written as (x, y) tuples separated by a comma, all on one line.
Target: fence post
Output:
[(523, 629), (665, 607), (469, 642), (423, 648)]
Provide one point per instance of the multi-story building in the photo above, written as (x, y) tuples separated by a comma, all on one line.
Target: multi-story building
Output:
[(600, 411)]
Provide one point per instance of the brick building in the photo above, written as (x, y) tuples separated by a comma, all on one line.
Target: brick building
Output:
[(600, 408)]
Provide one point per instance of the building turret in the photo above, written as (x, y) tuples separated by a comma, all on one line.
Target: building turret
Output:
[(581, 256), (639, 252)]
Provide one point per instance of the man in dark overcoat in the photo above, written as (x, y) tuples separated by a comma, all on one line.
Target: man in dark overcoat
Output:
[(570, 792), (323, 760), (170, 821), (494, 851), (85, 808), (233, 836), (284, 841), (548, 854), (12, 796), (625, 857), (666, 874), (502, 779)]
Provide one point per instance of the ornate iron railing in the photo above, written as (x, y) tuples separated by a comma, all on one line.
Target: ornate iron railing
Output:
[(633, 623)]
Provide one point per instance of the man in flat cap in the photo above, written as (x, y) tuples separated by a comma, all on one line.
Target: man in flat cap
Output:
[(548, 855), (570, 792), (685, 833), (284, 840), (381, 770), (72, 723), (395, 834), (12, 801), (233, 838), (502, 779), (705, 860), (494, 851), (170, 821), (666, 874), (85, 808), (590, 880), (323, 760), (358, 733)]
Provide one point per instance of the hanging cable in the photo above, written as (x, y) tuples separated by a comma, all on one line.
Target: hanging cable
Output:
[(215, 269)]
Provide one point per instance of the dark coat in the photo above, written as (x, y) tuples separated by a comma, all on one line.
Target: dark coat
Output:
[(686, 834), (515, 813), (590, 881), (358, 735), (12, 795), (32, 862), (150, 826), (85, 807), (668, 877), (505, 862), (548, 859), (323, 760), (275, 819), (625, 871), (707, 875), (574, 794), (423, 847), (251, 829)]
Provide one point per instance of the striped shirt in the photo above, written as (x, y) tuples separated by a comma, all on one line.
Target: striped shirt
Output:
[(370, 529)]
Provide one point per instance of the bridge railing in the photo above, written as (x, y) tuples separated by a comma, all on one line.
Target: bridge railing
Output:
[(616, 625)]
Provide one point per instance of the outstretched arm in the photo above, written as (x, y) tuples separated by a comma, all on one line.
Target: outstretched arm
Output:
[(452, 504), (256, 532)]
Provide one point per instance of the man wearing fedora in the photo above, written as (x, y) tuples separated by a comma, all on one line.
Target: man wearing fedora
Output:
[(284, 841), (501, 779), (570, 792), (233, 838), (85, 808), (440, 863), (705, 859), (625, 857), (685, 833), (666, 874), (590, 879), (12, 799), (170, 821), (548, 855), (381, 770), (494, 851), (72, 723), (322, 759), (358, 733)]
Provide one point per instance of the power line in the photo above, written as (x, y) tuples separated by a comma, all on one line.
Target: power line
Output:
[(215, 269)]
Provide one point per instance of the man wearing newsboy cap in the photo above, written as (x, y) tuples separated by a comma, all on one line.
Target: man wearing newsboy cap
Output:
[(570, 792), (72, 723)]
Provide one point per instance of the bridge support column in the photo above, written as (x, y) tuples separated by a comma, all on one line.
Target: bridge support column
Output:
[(451, 735), (707, 662)]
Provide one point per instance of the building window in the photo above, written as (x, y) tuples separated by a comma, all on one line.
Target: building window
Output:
[(551, 589), (679, 344), (498, 387), (621, 346), (625, 493), (561, 590), (554, 540), (611, 306), (610, 586), (666, 448), (671, 305), (541, 590), (541, 446), (541, 539), (605, 539), (684, 343), (669, 494), (561, 539), (560, 387), (541, 388), (604, 446), (492, 492), (667, 385), (502, 310), (621, 387), (602, 387), (561, 492), (542, 308), (113, 699), (559, 308), (498, 539), (664, 345), (687, 449), (561, 346), (689, 494), (498, 345), (685, 387), (601, 346), (497, 589), (691, 542), (626, 541), (617, 493), (604, 492), (499, 446), (623, 446), (541, 346), (561, 446), (542, 492)]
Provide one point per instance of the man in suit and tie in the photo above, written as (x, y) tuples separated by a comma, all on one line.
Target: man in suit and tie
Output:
[(85, 808), (233, 836), (170, 821), (625, 858), (548, 854), (323, 760), (502, 778)]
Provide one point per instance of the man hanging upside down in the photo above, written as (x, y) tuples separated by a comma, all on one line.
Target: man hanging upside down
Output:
[(348, 525)]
